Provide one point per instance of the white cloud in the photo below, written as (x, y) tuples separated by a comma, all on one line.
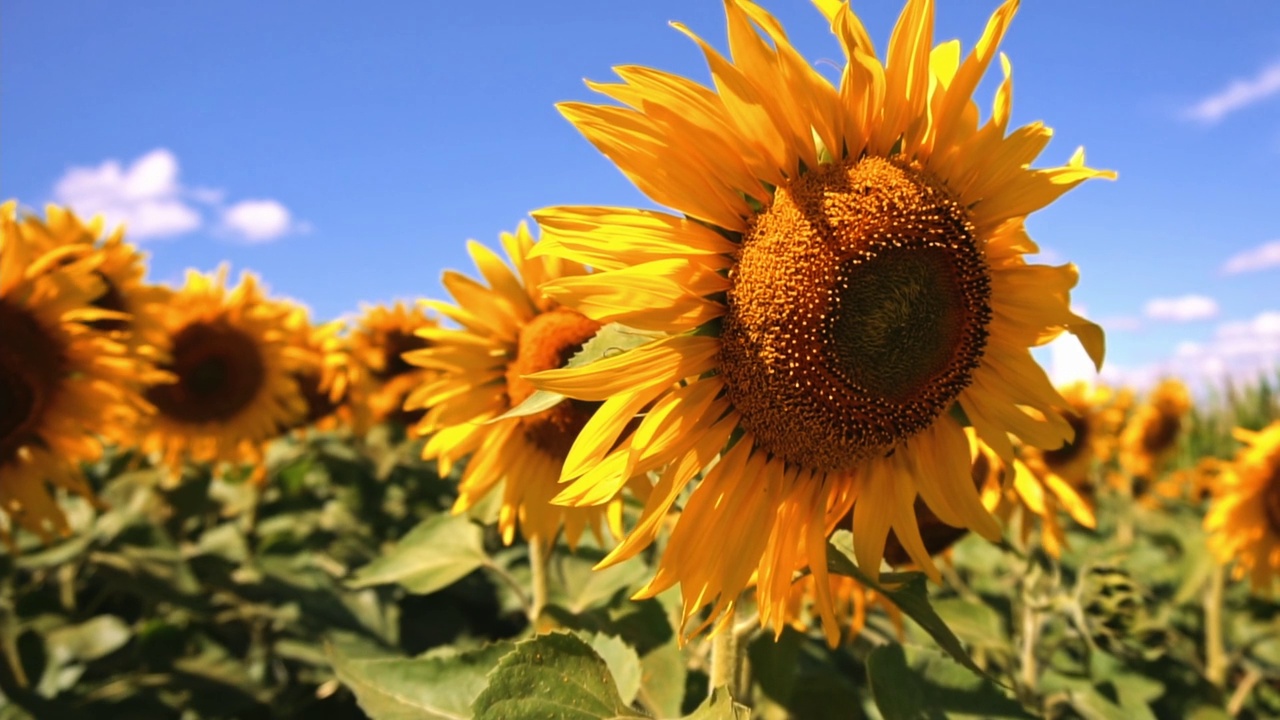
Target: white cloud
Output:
[(1266, 255), (1121, 323), (1237, 95), (258, 221), (1241, 350), (1181, 309), (145, 196), (1068, 362)]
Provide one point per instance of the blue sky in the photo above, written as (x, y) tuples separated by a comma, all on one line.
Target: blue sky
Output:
[(347, 156)]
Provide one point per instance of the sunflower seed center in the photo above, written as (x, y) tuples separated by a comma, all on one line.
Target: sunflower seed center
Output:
[(219, 369), (546, 343), (857, 312)]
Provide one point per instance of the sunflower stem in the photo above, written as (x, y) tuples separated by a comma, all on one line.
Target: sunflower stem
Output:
[(539, 557), (726, 658), (1215, 656), (1030, 636)]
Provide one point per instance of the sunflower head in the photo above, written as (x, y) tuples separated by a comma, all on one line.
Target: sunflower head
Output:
[(1151, 436), (842, 268), (379, 339), (507, 330), (63, 384), (322, 361), (233, 387), (1244, 518)]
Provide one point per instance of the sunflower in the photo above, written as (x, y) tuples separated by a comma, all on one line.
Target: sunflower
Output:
[(234, 387), (1040, 496), (1244, 520), (382, 378), (1150, 438), (508, 330), (323, 370), (842, 275), (1091, 415), (62, 384)]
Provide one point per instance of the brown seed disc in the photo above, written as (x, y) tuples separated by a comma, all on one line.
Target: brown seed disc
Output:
[(858, 310), (546, 343), (220, 370), (32, 365)]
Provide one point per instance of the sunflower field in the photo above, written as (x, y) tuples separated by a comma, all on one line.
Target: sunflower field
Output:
[(779, 450)]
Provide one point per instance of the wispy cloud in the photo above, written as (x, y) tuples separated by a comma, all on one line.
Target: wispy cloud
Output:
[(259, 221), (1181, 309), (1266, 255), (1237, 95), (147, 197)]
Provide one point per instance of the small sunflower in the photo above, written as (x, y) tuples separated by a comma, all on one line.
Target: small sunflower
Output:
[(509, 330), (233, 386), (323, 370), (843, 266), (1150, 437), (1244, 519), (1090, 414), (381, 376), (62, 383), (1040, 497)]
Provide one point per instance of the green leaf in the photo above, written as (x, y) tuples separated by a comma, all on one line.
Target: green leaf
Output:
[(662, 680), (932, 685), (556, 675), (610, 340), (432, 687), (909, 593), (624, 664), (720, 707), (974, 622), (437, 553), (894, 687), (577, 587), (94, 638)]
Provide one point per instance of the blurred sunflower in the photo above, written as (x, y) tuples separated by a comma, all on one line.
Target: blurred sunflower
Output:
[(845, 266), (1150, 437), (233, 387), (322, 370), (1089, 411), (383, 379), (1039, 497), (852, 601), (61, 383), (1244, 519), (508, 330)]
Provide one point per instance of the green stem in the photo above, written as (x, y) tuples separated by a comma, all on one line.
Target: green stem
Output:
[(724, 657), (1215, 656), (1030, 636), (539, 556)]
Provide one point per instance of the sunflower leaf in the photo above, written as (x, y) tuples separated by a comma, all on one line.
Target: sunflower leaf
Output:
[(555, 675), (910, 682), (908, 591), (720, 706), (439, 685), (609, 341), (437, 553)]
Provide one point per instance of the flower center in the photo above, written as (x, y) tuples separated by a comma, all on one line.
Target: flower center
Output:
[(1069, 451), (1160, 433), (857, 313), (110, 299), (395, 343), (31, 365), (546, 343), (219, 369)]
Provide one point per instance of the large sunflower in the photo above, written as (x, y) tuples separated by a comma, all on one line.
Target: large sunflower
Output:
[(1244, 521), (508, 330), (1150, 438), (62, 383), (382, 379), (844, 273), (233, 385)]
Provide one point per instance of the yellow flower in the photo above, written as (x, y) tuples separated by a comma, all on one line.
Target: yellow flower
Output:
[(62, 383), (323, 370), (508, 330), (1244, 520), (1150, 438), (382, 379), (843, 266), (233, 389), (1091, 415)]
